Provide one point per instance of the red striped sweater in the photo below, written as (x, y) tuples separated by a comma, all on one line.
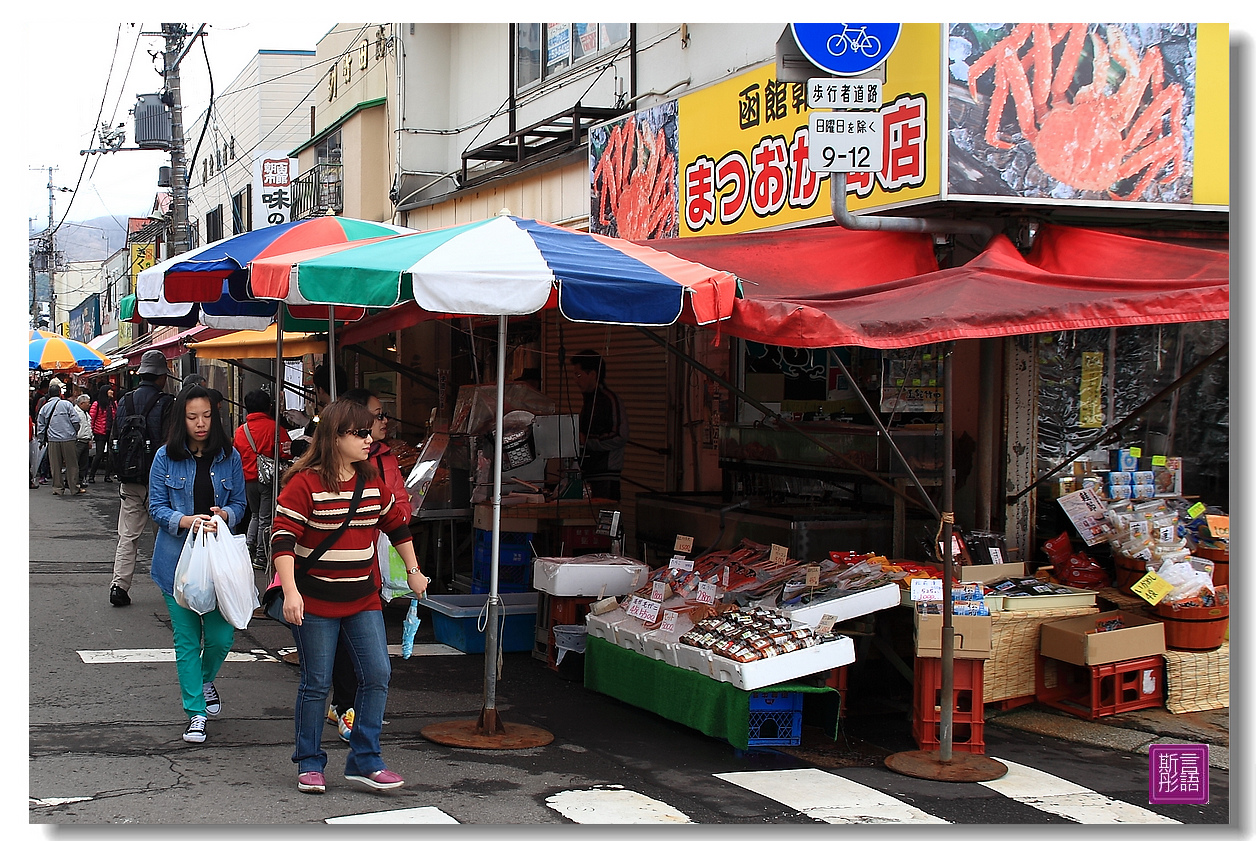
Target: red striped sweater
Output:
[(346, 579)]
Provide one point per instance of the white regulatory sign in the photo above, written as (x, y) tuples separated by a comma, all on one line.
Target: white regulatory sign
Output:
[(847, 94), (845, 141)]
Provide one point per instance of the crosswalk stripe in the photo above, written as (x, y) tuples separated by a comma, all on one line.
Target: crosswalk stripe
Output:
[(829, 798), (162, 655), (1049, 793), (613, 805), (418, 814)]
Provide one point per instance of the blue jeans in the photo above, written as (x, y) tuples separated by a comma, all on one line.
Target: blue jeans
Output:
[(368, 647)]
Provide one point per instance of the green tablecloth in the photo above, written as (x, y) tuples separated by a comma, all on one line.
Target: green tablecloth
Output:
[(710, 706)]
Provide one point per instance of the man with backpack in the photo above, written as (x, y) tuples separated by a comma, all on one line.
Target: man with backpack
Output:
[(139, 429)]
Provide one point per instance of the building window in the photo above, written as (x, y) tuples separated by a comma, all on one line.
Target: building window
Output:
[(546, 50), (328, 150), (241, 210), (213, 225)]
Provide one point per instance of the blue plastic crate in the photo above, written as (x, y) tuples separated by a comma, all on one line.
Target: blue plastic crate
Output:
[(775, 718)]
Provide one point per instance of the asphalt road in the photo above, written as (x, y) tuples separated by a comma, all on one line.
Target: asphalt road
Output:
[(105, 746)]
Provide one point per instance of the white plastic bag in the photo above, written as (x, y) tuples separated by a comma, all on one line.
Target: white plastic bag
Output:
[(193, 580), (232, 574), (392, 570)]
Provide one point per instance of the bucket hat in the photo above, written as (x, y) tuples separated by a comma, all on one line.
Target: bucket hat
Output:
[(153, 362)]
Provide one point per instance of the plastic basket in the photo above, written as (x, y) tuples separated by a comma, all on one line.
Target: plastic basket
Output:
[(1091, 692), (775, 727), (570, 638)]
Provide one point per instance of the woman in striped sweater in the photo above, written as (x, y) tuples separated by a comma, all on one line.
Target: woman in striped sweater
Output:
[(340, 590)]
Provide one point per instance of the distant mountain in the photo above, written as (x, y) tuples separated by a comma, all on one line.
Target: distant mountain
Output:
[(91, 239)]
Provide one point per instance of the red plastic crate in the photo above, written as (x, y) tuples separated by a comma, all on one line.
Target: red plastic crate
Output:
[(968, 712), (1095, 691)]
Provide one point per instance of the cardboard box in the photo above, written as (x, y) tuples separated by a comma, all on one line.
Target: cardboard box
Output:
[(1069, 641), (483, 519), (972, 636), (985, 573)]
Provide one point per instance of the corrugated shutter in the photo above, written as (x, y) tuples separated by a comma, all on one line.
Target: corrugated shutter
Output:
[(637, 370)]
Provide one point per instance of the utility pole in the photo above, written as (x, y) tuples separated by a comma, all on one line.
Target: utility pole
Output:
[(48, 247), (175, 33)]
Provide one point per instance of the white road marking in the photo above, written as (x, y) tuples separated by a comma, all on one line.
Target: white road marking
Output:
[(425, 649), (419, 814), (613, 805), (830, 798), (37, 802), (162, 655), (1049, 793)]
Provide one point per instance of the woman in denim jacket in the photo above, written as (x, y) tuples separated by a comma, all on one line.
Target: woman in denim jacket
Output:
[(196, 475)]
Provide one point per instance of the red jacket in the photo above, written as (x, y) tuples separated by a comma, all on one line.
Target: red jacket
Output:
[(386, 463), (262, 428), (102, 421)]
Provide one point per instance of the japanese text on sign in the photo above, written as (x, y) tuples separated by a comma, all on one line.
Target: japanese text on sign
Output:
[(845, 141), (677, 562), (684, 543), (1085, 510), (778, 554), (643, 609), (844, 93), (658, 590), (669, 622), (706, 592)]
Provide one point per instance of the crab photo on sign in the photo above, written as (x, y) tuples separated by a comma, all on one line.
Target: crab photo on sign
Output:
[(633, 167), (1073, 110)]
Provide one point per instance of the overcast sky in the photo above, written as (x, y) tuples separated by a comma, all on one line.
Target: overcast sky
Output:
[(109, 63)]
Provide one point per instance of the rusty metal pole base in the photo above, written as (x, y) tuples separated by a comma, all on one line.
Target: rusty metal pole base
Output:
[(962, 767), (487, 733)]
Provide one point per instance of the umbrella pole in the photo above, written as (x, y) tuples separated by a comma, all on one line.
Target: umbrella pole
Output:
[(279, 394), (331, 351), (489, 731), (942, 764)]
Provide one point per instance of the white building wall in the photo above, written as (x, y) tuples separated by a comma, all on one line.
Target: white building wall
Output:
[(265, 107)]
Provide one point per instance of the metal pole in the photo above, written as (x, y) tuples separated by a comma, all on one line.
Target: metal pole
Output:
[(331, 351), (491, 630), (279, 378), (948, 517), (174, 33)]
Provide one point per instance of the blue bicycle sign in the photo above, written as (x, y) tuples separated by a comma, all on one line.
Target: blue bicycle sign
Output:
[(846, 49)]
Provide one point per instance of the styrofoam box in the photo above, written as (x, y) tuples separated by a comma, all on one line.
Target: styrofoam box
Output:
[(658, 648), (847, 607), (599, 627), (694, 659), (570, 577), (770, 670), (631, 640)]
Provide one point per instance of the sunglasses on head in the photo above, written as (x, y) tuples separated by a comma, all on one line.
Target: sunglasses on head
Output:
[(361, 433)]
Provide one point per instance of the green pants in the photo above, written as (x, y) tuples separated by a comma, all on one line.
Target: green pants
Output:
[(201, 644)]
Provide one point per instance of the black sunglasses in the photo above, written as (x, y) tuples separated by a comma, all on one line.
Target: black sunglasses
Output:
[(361, 433), (382, 415)]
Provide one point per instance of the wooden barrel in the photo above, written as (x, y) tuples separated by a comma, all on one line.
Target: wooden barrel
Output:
[(1221, 559), (1194, 628), (1128, 572)]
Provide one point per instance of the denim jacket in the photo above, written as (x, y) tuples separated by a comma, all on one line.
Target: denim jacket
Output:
[(170, 498)]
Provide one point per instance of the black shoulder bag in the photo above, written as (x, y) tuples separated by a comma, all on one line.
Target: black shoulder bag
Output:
[(272, 599)]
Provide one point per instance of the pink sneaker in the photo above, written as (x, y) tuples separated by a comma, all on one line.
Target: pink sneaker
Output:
[(381, 779), (312, 782)]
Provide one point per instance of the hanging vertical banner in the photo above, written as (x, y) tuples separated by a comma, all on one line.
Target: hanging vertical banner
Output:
[(273, 174), (1090, 411)]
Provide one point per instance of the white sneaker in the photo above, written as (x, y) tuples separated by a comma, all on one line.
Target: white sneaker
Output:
[(196, 730), (213, 705)]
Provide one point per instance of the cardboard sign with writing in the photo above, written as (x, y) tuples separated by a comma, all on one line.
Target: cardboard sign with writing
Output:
[(1086, 511), (643, 609), (827, 621), (926, 589), (706, 593), (1218, 526), (669, 622), (658, 591), (724, 577), (677, 562), (813, 575), (1151, 588), (779, 554), (684, 544)]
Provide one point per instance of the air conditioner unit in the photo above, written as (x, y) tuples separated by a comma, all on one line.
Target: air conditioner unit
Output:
[(152, 122)]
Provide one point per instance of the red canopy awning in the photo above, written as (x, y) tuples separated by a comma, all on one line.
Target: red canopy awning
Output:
[(829, 287), (172, 344)]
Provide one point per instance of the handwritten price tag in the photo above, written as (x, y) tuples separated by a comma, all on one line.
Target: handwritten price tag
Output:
[(1159, 461), (724, 571), (684, 564), (779, 554), (684, 544), (1151, 588), (658, 591), (1196, 509), (813, 575), (669, 622), (827, 621), (926, 589), (1218, 526), (706, 593), (1136, 452), (643, 609)]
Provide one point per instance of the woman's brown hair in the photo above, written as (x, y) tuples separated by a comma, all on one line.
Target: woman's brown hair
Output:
[(337, 418)]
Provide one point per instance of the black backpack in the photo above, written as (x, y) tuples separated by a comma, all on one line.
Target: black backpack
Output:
[(134, 442)]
